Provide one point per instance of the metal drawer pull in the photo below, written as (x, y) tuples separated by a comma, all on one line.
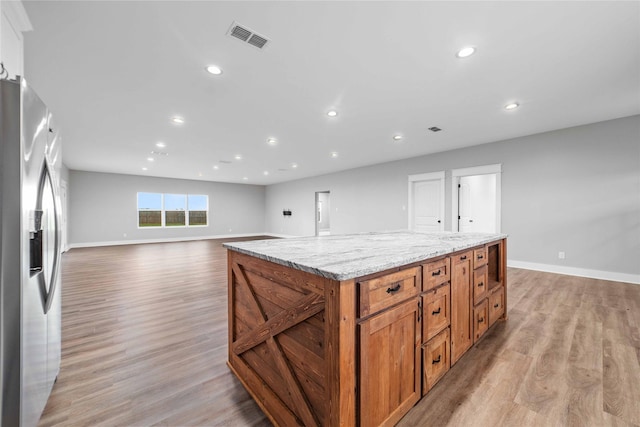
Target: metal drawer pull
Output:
[(396, 288), (480, 320), (480, 256), (481, 284), (462, 258), (496, 306), (433, 362), (436, 312), (436, 273)]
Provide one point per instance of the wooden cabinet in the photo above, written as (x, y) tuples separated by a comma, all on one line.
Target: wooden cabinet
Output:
[(480, 257), (496, 305), (436, 360), (480, 319), (390, 364), (461, 305), (436, 311), (381, 292), (479, 284), (315, 351), (436, 273)]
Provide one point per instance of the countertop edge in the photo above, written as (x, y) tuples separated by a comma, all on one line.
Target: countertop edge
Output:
[(370, 269)]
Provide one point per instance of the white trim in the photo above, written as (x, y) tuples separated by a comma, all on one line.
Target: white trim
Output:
[(167, 240), (17, 15), (431, 176), (476, 170), (575, 271)]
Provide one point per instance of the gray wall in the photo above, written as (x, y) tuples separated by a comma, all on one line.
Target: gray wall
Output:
[(575, 190), (102, 208)]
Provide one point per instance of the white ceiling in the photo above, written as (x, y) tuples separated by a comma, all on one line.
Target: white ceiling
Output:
[(115, 72)]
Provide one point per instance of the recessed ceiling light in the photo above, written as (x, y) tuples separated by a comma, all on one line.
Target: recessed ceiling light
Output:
[(294, 165), (397, 137), (266, 172), (160, 144), (465, 52), (334, 154), (216, 167), (272, 141), (150, 159), (144, 169), (177, 120), (511, 106), (245, 178), (214, 69), (237, 157), (332, 113), (199, 173)]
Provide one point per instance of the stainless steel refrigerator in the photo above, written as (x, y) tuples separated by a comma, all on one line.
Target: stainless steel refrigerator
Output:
[(30, 287)]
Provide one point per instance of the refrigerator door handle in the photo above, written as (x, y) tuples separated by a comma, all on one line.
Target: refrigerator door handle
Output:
[(38, 234)]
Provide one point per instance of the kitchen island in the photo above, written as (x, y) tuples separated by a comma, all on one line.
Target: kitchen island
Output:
[(355, 329)]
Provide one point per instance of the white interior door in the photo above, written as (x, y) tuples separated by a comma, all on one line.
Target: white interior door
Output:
[(427, 206), (426, 202), (477, 203), (323, 213)]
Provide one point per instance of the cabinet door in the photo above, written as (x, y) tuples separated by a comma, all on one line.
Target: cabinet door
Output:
[(480, 319), (390, 289), (496, 305), (436, 360), (436, 273), (390, 364), (461, 309), (436, 311), (479, 284)]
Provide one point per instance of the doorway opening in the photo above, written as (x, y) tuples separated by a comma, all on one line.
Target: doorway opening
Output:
[(476, 199), (323, 213), (426, 202)]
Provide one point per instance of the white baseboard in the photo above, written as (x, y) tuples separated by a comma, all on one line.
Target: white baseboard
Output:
[(574, 271), (165, 240)]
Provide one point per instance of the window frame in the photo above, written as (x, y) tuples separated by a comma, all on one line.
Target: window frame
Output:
[(163, 211)]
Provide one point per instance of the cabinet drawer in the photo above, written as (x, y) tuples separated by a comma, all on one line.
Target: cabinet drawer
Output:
[(480, 319), (436, 273), (479, 284), (496, 305), (480, 257), (382, 292), (435, 360), (436, 313)]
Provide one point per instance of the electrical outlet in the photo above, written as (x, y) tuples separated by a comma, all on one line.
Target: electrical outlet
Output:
[(561, 255)]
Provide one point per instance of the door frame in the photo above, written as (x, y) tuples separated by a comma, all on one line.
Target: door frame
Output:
[(315, 211), (64, 189), (476, 170), (430, 176)]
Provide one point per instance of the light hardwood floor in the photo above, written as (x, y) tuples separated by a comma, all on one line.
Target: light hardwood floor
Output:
[(144, 342)]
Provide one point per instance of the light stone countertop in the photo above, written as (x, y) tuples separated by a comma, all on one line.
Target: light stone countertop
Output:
[(347, 256)]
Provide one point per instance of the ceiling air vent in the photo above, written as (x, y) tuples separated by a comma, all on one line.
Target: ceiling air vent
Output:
[(247, 35), (435, 129)]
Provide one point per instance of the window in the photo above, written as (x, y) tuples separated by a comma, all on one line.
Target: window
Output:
[(149, 210), (175, 208), (198, 209), (172, 210)]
